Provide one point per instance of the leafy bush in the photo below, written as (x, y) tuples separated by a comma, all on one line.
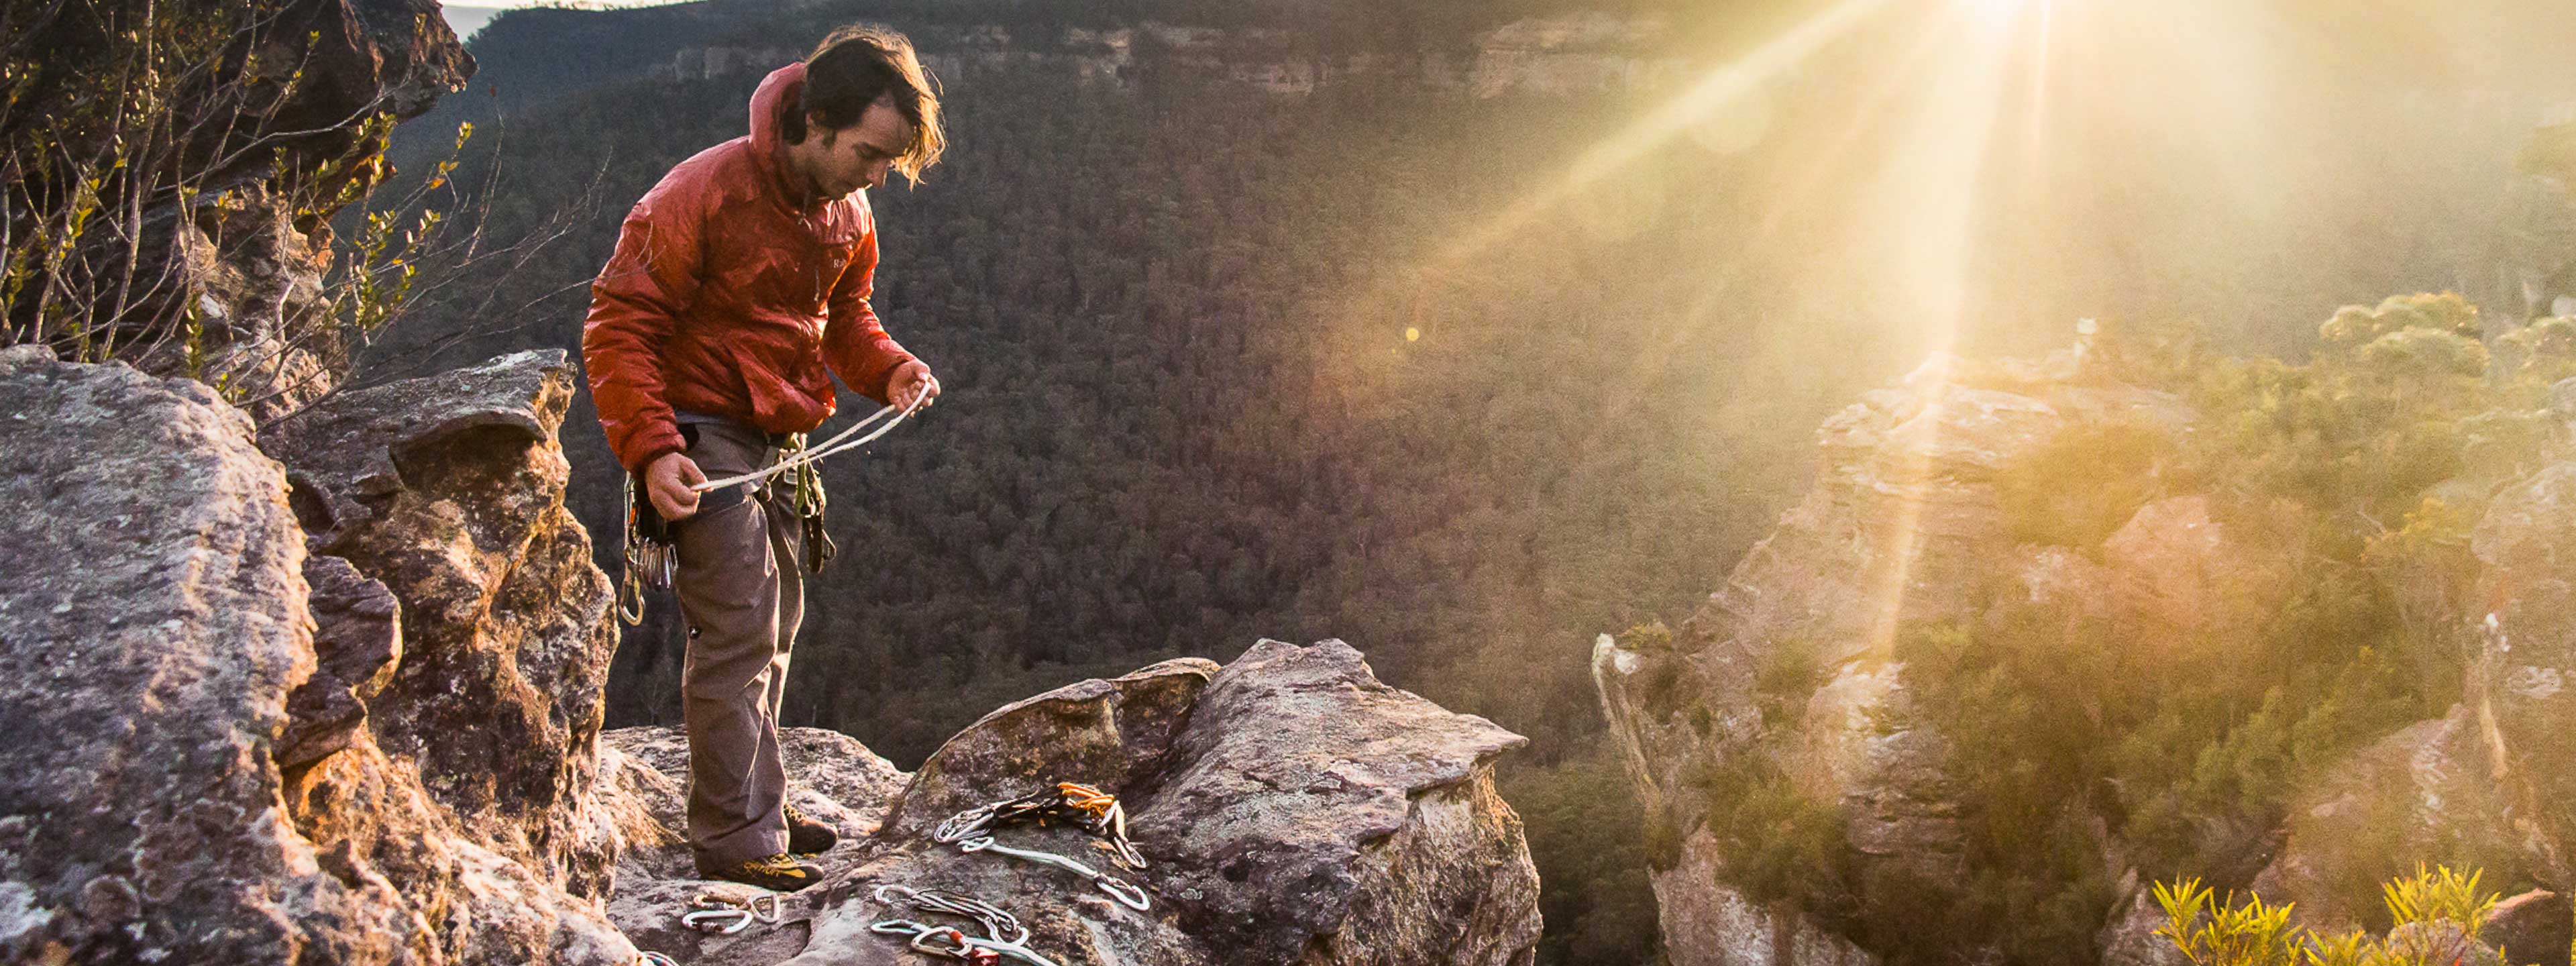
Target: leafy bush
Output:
[(2437, 913), (2085, 483)]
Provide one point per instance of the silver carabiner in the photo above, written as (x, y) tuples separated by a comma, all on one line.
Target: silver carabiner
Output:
[(1127, 894), (719, 921)]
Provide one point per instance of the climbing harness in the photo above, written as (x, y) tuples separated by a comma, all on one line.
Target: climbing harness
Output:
[(1003, 934), (1126, 893), (652, 557), (1093, 809), (711, 913)]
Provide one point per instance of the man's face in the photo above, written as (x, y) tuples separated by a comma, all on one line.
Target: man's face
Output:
[(858, 156)]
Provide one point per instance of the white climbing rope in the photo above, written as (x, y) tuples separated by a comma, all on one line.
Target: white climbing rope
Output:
[(829, 447)]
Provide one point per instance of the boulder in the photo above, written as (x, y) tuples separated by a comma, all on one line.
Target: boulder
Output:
[(449, 491), (2420, 794), (1291, 807), (2534, 928), (357, 637), (2519, 688), (145, 815)]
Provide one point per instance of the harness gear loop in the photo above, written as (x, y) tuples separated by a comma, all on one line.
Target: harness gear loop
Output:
[(651, 558)]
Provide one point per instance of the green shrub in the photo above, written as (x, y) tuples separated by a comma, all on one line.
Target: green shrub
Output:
[(2085, 483), (2255, 933)]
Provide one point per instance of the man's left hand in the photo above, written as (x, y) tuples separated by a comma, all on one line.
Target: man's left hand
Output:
[(912, 379)]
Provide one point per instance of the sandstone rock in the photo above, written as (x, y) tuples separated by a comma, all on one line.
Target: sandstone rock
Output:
[(357, 639), (2420, 794), (2130, 939), (449, 489), (1791, 661), (1307, 804), (1291, 806), (1704, 921), (2519, 686), (2441, 941), (1115, 732), (2532, 929), (644, 780), (144, 816)]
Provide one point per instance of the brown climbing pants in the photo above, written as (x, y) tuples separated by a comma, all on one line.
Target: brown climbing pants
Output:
[(742, 593)]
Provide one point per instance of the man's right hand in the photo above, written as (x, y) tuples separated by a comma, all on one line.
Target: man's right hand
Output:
[(667, 483)]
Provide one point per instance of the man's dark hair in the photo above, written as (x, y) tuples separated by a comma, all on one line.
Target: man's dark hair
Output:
[(859, 65)]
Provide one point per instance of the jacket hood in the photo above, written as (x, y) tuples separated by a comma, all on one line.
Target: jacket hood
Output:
[(769, 106), (777, 95)]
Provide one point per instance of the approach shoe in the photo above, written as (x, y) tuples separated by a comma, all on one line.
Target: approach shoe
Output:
[(777, 873), (805, 836)]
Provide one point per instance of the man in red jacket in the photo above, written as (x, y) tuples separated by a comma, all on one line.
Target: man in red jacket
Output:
[(739, 289)]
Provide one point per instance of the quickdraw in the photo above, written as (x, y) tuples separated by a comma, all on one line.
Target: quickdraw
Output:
[(1126, 893), (998, 922), (1093, 809), (651, 560), (711, 913), (954, 943), (1003, 934)]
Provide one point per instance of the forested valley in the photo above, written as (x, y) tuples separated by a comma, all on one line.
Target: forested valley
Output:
[(1223, 364)]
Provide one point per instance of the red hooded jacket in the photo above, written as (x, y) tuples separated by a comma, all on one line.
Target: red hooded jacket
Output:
[(731, 292)]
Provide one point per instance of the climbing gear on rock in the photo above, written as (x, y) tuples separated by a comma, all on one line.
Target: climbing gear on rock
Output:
[(712, 913), (777, 873), (1093, 809), (998, 922), (805, 836), (954, 943), (1003, 934), (1126, 893), (647, 957)]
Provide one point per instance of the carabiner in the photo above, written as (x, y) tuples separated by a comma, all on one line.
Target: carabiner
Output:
[(719, 921)]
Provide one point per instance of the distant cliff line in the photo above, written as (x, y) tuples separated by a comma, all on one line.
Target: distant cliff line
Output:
[(1571, 54)]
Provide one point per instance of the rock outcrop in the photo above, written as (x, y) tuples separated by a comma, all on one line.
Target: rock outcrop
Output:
[(346, 710), (450, 490), (271, 128), (1292, 809), (1910, 525), (1905, 525), (175, 792)]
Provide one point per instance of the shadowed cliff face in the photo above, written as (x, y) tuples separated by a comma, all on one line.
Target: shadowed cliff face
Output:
[(1797, 675)]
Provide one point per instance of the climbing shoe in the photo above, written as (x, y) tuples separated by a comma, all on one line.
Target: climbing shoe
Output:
[(777, 873), (805, 836)]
